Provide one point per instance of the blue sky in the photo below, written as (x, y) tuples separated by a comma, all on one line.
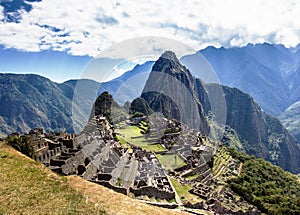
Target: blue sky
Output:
[(58, 38), (57, 66)]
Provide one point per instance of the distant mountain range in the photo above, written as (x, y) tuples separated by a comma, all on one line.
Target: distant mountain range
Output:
[(269, 73), (29, 101)]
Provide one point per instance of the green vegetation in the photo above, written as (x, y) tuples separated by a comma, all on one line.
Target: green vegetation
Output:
[(231, 139), (145, 129), (27, 187), (139, 105), (171, 161), (121, 139), (183, 192), (220, 161), (133, 135), (154, 148), (191, 177), (130, 131), (270, 188)]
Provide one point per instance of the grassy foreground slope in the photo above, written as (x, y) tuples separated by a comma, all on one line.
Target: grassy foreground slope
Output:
[(27, 187)]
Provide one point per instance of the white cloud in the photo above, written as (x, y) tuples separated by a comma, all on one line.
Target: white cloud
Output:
[(90, 26), (1, 13)]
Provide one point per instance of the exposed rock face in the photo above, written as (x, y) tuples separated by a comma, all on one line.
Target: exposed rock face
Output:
[(170, 89), (261, 134)]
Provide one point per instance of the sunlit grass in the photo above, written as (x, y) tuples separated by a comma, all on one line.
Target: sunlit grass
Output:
[(27, 187), (171, 161), (133, 135), (191, 177), (183, 192)]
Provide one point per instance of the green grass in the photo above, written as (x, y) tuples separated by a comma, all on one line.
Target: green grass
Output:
[(171, 201), (222, 158), (155, 148), (183, 192), (143, 125), (132, 131), (171, 162), (191, 177), (121, 139), (133, 135), (27, 187)]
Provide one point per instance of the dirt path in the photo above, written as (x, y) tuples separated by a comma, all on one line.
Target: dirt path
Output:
[(240, 169)]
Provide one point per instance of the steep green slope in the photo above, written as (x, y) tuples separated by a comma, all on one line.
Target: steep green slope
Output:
[(29, 101), (270, 188), (27, 187), (260, 134)]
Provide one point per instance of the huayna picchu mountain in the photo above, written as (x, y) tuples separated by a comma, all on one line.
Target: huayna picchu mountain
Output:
[(173, 91)]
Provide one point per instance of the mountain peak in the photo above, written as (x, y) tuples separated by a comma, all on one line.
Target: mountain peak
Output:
[(170, 56), (169, 63)]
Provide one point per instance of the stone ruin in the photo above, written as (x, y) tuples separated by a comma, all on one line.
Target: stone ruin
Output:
[(96, 155), (197, 150)]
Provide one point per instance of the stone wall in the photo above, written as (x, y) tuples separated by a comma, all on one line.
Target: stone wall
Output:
[(91, 171), (115, 188), (152, 192)]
